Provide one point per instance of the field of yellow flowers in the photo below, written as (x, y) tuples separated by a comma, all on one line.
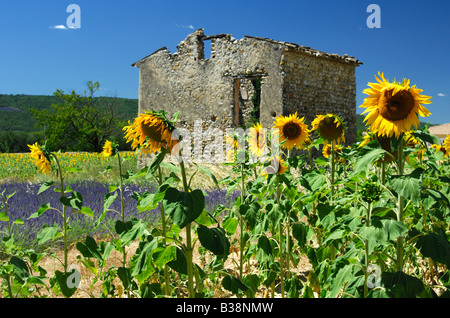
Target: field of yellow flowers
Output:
[(21, 165)]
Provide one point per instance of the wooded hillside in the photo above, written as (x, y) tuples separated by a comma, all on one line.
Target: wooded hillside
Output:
[(18, 127)]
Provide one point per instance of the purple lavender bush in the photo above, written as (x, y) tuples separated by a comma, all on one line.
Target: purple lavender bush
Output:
[(26, 201)]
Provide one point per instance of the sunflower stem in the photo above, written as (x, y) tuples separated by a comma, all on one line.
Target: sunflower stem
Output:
[(64, 214), (317, 229), (122, 212), (366, 249), (241, 224), (332, 170), (400, 170), (280, 233), (288, 243), (122, 206), (8, 282), (281, 258), (163, 218), (191, 292)]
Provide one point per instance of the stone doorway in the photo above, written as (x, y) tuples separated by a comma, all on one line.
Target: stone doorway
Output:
[(247, 101)]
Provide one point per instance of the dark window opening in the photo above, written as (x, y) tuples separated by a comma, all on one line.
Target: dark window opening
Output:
[(247, 101), (256, 101)]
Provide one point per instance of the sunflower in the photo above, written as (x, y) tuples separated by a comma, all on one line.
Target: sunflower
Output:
[(393, 107), (330, 128), (152, 131), (446, 145), (440, 148), (292, 131), (234, 147), (368, 137), (326, 151), (437, 147), (107, 149), (277, 166), (257, 140), (40, 158), (410, 140)]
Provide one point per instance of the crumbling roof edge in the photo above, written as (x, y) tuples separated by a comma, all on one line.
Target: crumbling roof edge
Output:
[(135, 64), (214, 36), (304, 49), (289, 45)]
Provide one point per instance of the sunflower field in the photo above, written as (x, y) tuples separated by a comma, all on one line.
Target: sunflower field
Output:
[(300, 214)]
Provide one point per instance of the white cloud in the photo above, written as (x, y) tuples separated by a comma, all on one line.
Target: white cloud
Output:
[(59, 27), (441, 94), (189, 26)]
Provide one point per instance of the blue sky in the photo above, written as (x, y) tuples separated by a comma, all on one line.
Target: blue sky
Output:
[(37, 58)]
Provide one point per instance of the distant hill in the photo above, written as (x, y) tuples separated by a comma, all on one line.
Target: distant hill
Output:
[(15, 112), (18, 126)]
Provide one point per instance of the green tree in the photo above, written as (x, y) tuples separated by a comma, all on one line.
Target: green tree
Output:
[(80, 122), (17, 141)]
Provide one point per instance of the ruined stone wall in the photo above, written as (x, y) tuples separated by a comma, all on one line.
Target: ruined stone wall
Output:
[(203, 86), (313, 86), (183, 82)]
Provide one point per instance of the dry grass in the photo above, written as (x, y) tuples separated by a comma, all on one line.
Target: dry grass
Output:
[(90, 287)]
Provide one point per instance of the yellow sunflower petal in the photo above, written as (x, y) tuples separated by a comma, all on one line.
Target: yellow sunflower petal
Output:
[(329, 127), (293, 132), (151, 132), (393, 108), (40, 159)]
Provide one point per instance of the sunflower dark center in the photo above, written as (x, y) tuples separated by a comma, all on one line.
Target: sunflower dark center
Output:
[(330, 130), (291, 130), (395, 107), (152, 131)]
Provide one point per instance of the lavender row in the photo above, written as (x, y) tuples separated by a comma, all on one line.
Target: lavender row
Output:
[(26, 201)]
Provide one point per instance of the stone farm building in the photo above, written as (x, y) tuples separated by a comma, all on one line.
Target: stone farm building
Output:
[(252, 76)]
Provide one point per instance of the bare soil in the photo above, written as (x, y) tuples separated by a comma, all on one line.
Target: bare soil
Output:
[(89, 288)]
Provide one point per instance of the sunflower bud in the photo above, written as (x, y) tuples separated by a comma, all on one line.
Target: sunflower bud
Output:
[(370, 191)]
